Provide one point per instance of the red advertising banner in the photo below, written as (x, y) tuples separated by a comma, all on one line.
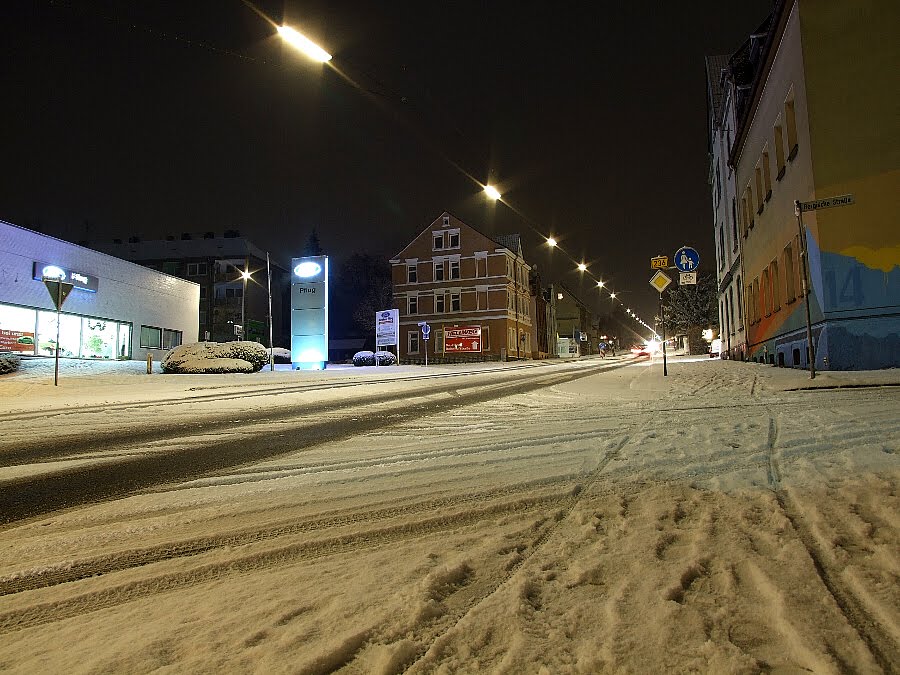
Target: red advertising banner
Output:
[(16, 341), (462, 339)]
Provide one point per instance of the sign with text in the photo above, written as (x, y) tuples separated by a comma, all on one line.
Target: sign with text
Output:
[(828, 203), (462, 339), (387, 327), (309, 312), (660, 262), (79, 280), (16, 341)]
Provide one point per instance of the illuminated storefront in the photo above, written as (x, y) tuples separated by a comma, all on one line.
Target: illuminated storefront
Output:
[(116, 309)]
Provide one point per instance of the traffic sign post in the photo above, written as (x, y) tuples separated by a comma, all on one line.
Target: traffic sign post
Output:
[(59, 290), (799, 208), (426, 335), (687, 259), (660, 281)]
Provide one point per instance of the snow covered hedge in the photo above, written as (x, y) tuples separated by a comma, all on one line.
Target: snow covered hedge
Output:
[(216, 357), (367, 358), (9, 363)]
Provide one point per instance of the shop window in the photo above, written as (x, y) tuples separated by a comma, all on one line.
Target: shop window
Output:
[(439, 270), (454, 269), (17, 329), (412, 343), (412, 304), (151, 337), (454, 302), (412, 273), (98, 339), (439, 303), (124, 341), (171, 338), (453, 238)]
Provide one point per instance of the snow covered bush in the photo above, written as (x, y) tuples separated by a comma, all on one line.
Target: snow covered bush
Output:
[(9, 363), (281, 354), (367, 358), (216, 357)]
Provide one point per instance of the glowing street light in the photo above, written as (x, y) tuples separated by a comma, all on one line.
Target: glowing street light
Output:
[(582, 267), (599, 284), (551, 242), (491, 192), (612, 295), (304, 44), (244, 275)]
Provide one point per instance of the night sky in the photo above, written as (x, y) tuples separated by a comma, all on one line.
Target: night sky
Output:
[(155, 117)]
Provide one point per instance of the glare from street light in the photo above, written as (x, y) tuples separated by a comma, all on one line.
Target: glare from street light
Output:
[(582, 267), (612, 295), (491, 192), (599, 284), (304, 44), (551, 242), (245, 274)]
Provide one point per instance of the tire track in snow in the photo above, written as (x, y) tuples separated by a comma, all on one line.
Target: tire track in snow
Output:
[(47, 612), (880, 644)]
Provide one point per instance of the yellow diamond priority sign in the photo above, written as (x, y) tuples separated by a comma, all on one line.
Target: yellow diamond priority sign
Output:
[(660, 281)]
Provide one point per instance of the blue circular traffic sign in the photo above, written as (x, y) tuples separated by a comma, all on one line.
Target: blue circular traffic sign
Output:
[(687, 259)]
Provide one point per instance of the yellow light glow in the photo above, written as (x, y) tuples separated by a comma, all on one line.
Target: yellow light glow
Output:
[(599, 284), (551, 242), (491, 192), (245, 274), (582, 267), (304, 44), (612, 295)]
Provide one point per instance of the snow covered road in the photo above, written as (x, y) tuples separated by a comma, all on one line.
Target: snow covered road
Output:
[(712, 521)]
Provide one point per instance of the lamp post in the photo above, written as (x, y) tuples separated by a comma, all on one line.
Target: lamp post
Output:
[(245, 274)]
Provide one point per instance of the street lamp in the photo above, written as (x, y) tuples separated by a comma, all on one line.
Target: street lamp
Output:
[(492, 192), (551, 242), (582, 267), (599, 284), (244, 275), (304, 44)]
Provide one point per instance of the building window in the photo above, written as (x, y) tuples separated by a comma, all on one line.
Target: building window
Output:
[(234, 292), (412, 304), (721, 246), (779, 151), (740, 306), (204, 292), (439, 270), (729, 303), (776, 286), (734, 231), (748, 201), (151, 337), (760, 195), (170, 267), (438, 239), (767, 174), (446, 221), (196, 269), (412, 273), (790, 288), (453, 239), (790, 122), (171, 338), (412, 342), (439, 303), (454, 302), (454, 269), (765, 287)]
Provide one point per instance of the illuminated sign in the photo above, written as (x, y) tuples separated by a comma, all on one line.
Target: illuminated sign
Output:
[(309, 313), (79, 280), (307, 269), (387, 327), (462, 339)]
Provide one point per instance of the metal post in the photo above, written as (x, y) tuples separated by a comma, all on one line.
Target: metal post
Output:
[(804, 287), (243, 300), (269, 281), (662, 323), (58, 305)]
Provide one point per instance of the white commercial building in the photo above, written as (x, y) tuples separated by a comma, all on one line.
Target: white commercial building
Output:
[(115, 310)]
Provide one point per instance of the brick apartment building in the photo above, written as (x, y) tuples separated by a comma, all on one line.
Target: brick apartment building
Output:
[(451, 275)]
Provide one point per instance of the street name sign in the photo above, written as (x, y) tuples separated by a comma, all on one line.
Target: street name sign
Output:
[(687, 278), (660, 281), (660, 262), (687, 259), (828, 203)]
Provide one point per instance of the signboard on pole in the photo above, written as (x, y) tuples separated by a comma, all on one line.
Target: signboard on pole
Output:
[(660, 262), (387, 327), (660, 281), (309, 313), (828, 203), (463, 339), (59, 291), (686, 278), (687, 259)]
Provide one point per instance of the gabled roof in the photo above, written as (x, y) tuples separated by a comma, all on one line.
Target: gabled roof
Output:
[(714, 67), (512, 242)]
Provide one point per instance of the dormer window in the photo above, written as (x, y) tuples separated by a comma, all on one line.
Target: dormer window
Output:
[(438, 239)]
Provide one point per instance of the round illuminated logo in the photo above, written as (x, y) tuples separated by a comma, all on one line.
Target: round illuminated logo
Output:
[(307, 269), (53, 272)]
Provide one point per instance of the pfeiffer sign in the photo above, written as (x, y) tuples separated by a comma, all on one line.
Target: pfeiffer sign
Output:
[(462, 339)]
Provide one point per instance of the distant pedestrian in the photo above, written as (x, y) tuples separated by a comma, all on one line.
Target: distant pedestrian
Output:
[(603, 348)]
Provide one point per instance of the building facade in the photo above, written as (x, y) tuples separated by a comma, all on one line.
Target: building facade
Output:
[(227, 300), (578, 332), (820, 121), (115, 310), (453, 276)]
